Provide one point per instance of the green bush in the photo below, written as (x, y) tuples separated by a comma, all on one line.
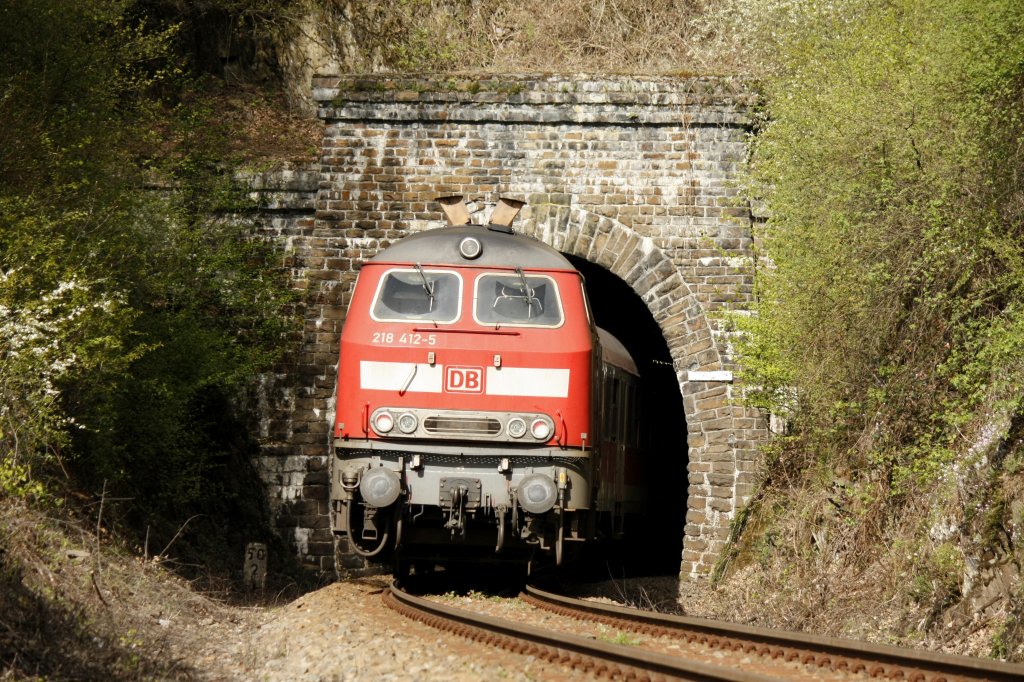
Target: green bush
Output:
[(130, 315), (890, 159)]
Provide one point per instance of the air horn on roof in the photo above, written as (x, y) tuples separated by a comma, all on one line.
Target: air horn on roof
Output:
[(505, 212)]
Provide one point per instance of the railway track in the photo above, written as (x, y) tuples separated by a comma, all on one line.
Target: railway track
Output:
[(704, 650)]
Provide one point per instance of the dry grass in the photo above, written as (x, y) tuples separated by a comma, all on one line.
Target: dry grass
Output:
[(838, 561), (75, 606), (610, 36), (657, 593), (261, 127), (502, 36), (235, 125)]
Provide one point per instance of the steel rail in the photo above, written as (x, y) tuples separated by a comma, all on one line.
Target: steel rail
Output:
[(600, 658), (874, 659)]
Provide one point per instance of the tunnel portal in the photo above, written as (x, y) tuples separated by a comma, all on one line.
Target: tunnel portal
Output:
[(634, 179)]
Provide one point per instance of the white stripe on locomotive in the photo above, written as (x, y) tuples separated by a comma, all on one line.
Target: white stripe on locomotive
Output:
[(536, 382)]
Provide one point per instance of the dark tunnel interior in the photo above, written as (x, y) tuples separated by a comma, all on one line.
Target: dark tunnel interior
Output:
[(656, 548)]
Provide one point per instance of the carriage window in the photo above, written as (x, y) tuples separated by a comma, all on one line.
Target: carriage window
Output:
[(418, 294), (517, 299)]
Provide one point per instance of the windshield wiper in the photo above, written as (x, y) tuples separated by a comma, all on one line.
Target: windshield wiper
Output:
[(528, 293), (427, 286)]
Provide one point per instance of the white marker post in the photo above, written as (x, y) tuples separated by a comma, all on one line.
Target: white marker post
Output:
[(255, 570)]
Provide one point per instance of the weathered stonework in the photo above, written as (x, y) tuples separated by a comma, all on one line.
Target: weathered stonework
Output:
[(637, 176), (293, 400)]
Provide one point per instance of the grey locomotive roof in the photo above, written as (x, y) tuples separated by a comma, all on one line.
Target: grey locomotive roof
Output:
[(500, 249)]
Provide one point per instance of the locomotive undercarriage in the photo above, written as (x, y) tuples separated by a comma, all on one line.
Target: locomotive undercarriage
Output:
[(409, 504)]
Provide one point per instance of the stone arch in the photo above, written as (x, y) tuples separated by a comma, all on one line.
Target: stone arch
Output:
[(717, 476), (639, 262)]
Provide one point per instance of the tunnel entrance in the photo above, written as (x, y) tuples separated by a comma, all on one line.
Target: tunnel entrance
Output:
[(656, 548)]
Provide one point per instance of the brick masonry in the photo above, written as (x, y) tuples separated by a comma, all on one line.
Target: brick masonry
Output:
[(638, 176)]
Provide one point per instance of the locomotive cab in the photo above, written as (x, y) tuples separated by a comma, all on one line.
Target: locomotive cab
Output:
[(467, 402)]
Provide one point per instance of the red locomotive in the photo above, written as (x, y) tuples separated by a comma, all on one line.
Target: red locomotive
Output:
[(481, 414)]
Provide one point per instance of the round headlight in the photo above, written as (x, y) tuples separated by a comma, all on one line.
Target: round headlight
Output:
[(470, 248), (380, 487), (383, 422), (407, 423), (541, 429), (537, 493), (516, 427)]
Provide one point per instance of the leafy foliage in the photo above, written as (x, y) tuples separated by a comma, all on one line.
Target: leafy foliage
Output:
[(129, 315), (890, 161), (889, 331)]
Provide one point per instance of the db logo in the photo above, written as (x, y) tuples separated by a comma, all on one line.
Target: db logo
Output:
[(464, 379)]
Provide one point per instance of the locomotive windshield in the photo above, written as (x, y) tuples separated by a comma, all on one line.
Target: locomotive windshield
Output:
[(418, 294), (517, 299)]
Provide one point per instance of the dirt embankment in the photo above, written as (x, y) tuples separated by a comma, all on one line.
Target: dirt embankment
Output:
[(74, 608)]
